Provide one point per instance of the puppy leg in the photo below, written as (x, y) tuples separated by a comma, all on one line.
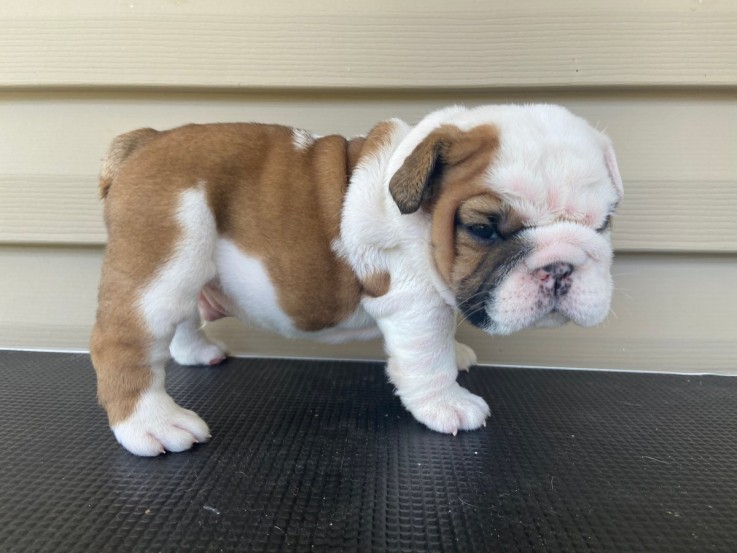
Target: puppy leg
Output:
[(422, 365), (190, 345), (129, 355), (465, 357), (141, 301)]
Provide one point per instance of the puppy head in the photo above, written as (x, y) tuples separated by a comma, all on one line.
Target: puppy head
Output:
[(519, 200)]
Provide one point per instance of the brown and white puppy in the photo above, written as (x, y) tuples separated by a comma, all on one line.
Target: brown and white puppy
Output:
[(500, 213)]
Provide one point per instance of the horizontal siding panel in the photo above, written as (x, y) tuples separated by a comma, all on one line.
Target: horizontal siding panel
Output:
[(50, 209), (678, 217), (263, 44), (676, 152), (655, 216), (658, 136), (672, 313)]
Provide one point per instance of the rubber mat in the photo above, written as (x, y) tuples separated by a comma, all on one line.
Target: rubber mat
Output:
[(321, 456)]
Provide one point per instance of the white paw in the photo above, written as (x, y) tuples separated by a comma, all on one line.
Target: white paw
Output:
[(197, 350), (158, 424), (465, 357), (453, 409)]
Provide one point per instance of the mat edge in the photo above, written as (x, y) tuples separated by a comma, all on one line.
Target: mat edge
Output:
[(360, 360)]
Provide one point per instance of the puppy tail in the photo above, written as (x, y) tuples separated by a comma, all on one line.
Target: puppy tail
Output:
[(122, 147)]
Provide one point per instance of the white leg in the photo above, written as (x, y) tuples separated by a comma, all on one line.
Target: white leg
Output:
[(190, 345), (465, 357), (422, 366)]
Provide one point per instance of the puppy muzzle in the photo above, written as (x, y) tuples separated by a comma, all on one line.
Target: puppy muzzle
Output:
[(565, 277)]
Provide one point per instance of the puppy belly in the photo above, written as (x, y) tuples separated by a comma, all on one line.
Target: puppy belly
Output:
[(253, 298)]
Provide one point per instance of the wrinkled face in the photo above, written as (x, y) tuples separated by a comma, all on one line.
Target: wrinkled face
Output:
[(520, 200)]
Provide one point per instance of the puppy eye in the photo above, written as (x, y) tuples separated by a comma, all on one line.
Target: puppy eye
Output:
[(483, 232)]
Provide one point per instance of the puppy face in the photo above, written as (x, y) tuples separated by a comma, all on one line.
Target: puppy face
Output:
[(519, 200)]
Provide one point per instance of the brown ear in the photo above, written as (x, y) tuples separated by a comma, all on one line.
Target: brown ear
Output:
[(419, 177)]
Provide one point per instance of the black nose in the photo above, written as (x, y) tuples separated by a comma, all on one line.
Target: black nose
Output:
[(559, 273)]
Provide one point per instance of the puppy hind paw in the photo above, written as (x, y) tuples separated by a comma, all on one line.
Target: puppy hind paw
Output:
[(465, 357), (158, 425), (199, 351), (451, 410)]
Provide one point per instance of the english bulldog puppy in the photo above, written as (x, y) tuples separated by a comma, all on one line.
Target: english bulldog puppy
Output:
[(497, 214)]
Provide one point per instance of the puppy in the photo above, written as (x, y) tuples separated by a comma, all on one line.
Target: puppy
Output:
[(499, 213)]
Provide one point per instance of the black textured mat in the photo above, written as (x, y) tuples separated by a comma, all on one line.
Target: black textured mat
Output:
[(320, 456)]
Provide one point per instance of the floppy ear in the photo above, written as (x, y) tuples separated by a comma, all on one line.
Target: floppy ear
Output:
[(418, 173), (611, 164), (418, 179)]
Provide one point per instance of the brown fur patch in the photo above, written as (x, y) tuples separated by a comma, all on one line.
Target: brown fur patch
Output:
[(463, 255), (377, 284), (281, 205), (119, 151), (445, 171), (353, 151), (469, 253), (377, 139), (446, 150), (119, 350), (142, 232)]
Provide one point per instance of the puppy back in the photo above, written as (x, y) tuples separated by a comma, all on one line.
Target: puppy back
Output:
[(122, 147)]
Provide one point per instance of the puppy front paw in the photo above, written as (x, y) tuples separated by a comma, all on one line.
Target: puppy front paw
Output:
[(465, 357), (450, 410), (158, 425)]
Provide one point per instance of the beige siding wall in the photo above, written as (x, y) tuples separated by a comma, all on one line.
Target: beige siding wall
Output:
[(660, 77)]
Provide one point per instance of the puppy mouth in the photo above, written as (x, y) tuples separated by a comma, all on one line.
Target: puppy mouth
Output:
[(482, 308), (477, 313), (540, 316), (487, 313)]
